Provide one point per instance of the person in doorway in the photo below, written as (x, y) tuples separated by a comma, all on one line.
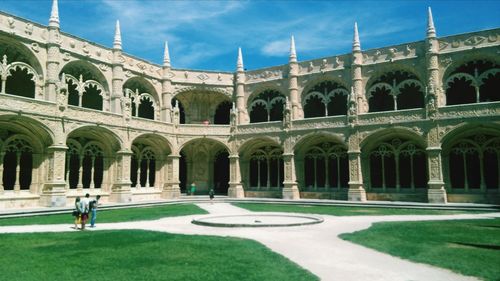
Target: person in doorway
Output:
[(193, 188), (84, 209), (211, 194), (93, 210), (76, 212)]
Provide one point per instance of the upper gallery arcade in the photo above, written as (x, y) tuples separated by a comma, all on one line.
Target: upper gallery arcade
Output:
[(418, 121)]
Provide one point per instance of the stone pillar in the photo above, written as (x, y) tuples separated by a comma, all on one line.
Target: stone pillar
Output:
[(17, 186), (54, 190), (435, 96), (436, 192), (79, 186), (53, 53), (117, 82), (235, 187), (172, 189), (290, 189), (120, 191), (356, 190)]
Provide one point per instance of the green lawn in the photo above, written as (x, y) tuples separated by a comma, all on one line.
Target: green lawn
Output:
[(342, 210), (469, 247), (140, 255), (117, 215)]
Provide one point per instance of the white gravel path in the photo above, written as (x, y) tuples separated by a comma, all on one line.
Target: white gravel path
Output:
[(314, 247)]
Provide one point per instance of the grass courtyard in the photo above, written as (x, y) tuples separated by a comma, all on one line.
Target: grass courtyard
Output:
[(140, 255), (342, 210), (469, 247), (115, 215)]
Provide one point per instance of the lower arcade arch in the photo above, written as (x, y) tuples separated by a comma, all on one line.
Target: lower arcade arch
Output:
[(204, 163), (23, 144), (323, 163), (262, 166), (471, 161), (89, 158), (395, 163), (149, 158)]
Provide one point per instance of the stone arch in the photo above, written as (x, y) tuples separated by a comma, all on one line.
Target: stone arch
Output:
[(149, 159), (321, 162), (145, 100), (23, 149), (200, 104), (87, 85), (393, 160), (327, 97), (204, 162), (91, 166), (471, 158), (266, 105), (262, 167), (473, 81), (323, 78), (18, 52), (464, 58), (395, 90)]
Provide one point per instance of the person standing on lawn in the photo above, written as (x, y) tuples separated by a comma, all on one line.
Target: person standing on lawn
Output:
[(93, 210), (84, 209), (76, 212)]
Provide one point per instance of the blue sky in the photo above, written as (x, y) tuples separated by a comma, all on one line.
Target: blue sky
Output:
[(206, 34)]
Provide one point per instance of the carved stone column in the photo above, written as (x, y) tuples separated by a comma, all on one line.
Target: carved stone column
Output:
[(172, 189), (235, 187), (54, 190), (290, 189), (53, 53), (356, 190), (120, 191), (436, 192)]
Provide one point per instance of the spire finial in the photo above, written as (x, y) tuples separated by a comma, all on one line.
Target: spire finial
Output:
[(293, 52), (356, 45), (54, 15), (117, 43), (239, 64), (166, 56), (431, 30)]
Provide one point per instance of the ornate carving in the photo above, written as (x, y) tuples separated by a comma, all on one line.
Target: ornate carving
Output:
[(85, 48), (455, 44), (376, 55), (474, 40), (103, 67), (202, 76), (72, 43), (492, 38), (28, 29), (446, 61), (35, 47), (443, 45), (66, 56), (11, 23)]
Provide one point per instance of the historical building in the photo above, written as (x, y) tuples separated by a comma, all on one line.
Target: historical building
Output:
[(418, 121)]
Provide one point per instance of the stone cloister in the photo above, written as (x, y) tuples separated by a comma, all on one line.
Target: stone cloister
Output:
[(418, 121)]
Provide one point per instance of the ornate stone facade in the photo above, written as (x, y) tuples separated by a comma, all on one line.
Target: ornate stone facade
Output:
[(417, 122)]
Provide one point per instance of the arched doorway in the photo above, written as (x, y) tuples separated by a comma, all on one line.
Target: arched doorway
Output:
[(205, 163)]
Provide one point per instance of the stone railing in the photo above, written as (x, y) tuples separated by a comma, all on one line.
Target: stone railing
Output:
[(204, 130), (320, 123), (390, 117), (260, 128)]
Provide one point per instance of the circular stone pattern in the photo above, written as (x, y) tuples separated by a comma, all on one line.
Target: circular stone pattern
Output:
[(257, 220)]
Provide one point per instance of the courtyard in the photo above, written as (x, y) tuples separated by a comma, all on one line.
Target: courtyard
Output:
[(161, 243)]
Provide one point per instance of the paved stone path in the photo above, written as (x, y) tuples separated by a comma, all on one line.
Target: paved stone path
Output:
[(314, 247)]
